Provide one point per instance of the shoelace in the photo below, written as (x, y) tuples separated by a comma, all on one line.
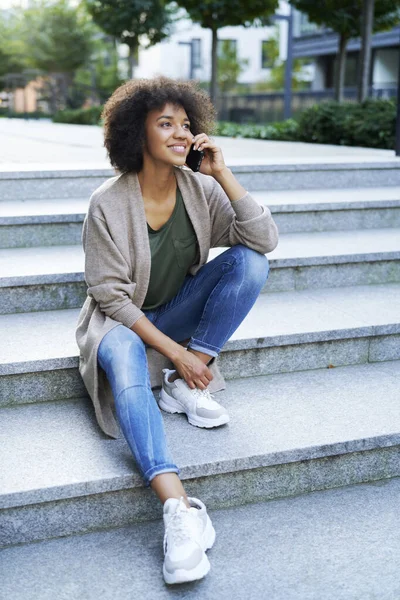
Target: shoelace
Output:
[(180, 526), (202, 396)]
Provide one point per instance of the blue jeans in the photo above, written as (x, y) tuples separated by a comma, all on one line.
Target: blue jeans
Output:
[(208, 309)]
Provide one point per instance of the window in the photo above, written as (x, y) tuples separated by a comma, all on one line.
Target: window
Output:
[(268, 53), (226, 47), (196, 53)]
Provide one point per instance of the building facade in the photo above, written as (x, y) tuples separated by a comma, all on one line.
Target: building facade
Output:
[(187, 53), (321, 46)]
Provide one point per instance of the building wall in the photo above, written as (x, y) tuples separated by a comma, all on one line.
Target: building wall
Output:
[(24, 99), (173, 60)]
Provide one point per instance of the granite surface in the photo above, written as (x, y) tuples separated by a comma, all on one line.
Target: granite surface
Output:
[(41, 386), (295, 249), (337, 220), (290, 549), (75, 183), (56, 450), (119, 508), (326, 199), (285, 318)]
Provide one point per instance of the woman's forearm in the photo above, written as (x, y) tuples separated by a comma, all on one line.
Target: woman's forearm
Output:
[(230, 185), (156, 339)]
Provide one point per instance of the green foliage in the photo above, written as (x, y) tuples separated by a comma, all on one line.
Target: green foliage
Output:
[(229, 65), (282, 130), (214, 14), (102, 72), (371, 124), (57, 37), (4, 112), (13, 58), (344, 16), (80, 116), (276, 77), (133, 22)]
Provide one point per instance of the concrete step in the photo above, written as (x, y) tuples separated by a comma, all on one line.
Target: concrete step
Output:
[(284, 332), (51, 278), (288, 549), (55, 222), (333, 209), (294, 433), (27, 182)]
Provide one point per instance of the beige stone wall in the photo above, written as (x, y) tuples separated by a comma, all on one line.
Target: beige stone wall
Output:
[(25, 98)]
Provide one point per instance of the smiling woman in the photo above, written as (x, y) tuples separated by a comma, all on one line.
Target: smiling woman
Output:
[(146, 237)]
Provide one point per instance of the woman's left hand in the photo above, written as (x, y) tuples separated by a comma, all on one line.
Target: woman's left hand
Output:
[(213, 162)]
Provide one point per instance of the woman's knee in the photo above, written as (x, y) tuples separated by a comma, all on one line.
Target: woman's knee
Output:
[(122, 353), (256, 264)]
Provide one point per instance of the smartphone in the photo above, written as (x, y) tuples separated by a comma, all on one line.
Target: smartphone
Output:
[(194, 158)]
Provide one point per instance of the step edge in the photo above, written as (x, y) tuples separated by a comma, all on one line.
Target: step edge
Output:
[(25, 498)]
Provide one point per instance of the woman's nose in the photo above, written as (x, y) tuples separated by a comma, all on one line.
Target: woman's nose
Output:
[(180, 132)]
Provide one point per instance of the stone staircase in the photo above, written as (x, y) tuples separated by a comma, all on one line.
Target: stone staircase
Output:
[(313, 395)]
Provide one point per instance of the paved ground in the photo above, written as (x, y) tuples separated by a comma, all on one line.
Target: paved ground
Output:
[(43, 142)]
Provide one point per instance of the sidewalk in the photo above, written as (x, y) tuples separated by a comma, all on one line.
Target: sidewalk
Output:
[(43, 143)]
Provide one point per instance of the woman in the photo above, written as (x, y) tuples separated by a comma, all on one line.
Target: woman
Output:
[(146, 237)]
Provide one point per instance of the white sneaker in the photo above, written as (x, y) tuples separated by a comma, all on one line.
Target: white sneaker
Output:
[(188, 534), (200, 407)]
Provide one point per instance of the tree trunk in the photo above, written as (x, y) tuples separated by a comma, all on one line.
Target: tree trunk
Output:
[(131, 62), (365, 52), (341, 68), (214, 67)]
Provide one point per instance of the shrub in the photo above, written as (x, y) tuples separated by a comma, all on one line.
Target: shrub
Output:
[(4, 112), (371, 124), (79, 116), (284, 130)]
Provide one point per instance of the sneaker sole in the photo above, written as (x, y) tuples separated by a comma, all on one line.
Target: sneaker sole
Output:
[(209, 535), (182, 576), (170, 405)]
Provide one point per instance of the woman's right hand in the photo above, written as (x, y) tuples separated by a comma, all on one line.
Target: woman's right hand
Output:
[(193, 370)]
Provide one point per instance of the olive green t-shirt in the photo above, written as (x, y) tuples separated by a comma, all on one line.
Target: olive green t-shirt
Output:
[(174, 250)]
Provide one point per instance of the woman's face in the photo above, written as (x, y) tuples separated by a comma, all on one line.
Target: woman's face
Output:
[(168, 135)]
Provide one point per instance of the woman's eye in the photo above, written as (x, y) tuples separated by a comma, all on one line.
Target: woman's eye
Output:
[(166, 123)]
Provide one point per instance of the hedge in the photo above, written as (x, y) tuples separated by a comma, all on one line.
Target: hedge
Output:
[(79, 116), (371, 124)]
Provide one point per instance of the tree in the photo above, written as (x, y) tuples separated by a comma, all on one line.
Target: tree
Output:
[(276, 76), (133, 22), (343, 16), (13, 58), (230, 66), (367, 22), (214, 14), (57, 37), (100, 76)]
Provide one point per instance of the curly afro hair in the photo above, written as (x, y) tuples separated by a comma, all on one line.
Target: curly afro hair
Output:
[(125, 112)]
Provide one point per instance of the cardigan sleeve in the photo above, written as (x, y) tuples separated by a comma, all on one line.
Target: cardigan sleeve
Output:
[(242, 221), (107, 273)]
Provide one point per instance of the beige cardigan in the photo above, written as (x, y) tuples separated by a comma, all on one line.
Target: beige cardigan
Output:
[(118, 260)]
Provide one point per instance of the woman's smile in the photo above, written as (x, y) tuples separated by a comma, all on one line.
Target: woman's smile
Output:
[(179, 148)]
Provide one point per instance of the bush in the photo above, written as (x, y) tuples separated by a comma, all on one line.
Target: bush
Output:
[(4, 112), (371, 124), (79, 116), (283, 130)]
